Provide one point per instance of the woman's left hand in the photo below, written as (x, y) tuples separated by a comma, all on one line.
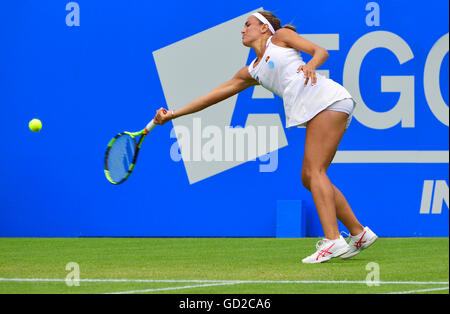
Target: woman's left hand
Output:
[(309, 72)]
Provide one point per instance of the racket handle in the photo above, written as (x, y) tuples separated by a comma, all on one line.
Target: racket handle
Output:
[(150, 126)]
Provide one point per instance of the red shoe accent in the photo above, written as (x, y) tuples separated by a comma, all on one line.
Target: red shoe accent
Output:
[(360, 242), (323, 253)]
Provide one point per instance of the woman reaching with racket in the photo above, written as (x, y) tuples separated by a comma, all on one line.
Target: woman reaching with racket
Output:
[(325, 107)]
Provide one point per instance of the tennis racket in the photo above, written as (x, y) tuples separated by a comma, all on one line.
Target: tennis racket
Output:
[(121, 154)]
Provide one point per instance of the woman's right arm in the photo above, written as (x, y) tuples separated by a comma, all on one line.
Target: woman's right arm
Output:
[(238, 83)]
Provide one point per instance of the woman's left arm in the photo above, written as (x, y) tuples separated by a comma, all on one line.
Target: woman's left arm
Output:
[(294, 40)]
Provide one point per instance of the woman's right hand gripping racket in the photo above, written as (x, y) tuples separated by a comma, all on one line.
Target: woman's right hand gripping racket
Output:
[(122, 151)]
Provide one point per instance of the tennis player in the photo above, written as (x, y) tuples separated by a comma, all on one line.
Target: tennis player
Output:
[(310, 100)]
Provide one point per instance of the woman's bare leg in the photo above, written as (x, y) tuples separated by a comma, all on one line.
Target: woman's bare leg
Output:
[(323, 134), (345, 214)]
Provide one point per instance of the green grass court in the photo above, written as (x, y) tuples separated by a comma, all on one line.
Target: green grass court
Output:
[(218, 265)]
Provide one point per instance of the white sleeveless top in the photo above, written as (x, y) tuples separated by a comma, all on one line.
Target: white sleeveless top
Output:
[(277, 72)]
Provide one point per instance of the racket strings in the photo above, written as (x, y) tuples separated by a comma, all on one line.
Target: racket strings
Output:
[(121, 157)]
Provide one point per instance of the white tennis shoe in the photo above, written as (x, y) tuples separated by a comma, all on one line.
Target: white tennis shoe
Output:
[(360, 242), (326, 250)]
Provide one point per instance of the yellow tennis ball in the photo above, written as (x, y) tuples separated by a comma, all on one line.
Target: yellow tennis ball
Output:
[(35, 125)]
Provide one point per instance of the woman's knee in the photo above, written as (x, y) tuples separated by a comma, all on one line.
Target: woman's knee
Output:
[(309, 174), (305, 180)]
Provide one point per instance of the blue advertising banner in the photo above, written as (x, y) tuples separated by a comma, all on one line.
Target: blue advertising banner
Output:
[(91, 69)]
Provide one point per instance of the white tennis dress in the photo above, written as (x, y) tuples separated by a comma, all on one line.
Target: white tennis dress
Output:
[(277, 72)]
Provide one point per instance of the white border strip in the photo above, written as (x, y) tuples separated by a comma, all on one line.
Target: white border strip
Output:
[(380, 157), (230, 281)]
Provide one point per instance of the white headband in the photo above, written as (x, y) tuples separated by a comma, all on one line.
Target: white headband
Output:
[(260, 17)]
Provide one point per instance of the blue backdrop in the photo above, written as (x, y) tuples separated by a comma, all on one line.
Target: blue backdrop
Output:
[(90, 69)]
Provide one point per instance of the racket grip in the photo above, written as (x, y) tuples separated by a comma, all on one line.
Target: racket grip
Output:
[(150, 126)]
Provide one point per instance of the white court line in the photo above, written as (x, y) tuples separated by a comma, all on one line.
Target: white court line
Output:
[(230, 281), (114, 280), (419, 291), (174, 288)]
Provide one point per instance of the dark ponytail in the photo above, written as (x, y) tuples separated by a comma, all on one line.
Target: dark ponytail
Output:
[(290, 27)]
